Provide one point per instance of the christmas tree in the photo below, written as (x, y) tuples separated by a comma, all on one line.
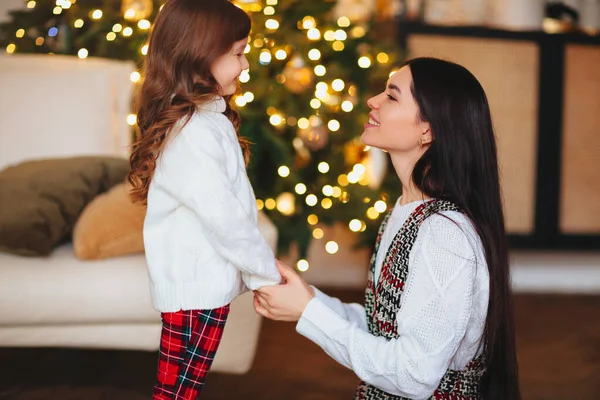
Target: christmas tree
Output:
[(313, 65)]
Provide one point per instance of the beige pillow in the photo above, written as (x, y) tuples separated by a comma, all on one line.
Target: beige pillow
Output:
[(111, 225)]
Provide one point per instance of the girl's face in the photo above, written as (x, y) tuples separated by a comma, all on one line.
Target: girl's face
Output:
[(227, 68), (394, 124)]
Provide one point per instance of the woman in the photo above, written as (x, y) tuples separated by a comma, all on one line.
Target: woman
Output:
[(437, 321)]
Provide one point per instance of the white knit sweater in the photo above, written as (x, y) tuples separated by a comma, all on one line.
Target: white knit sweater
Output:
[(201, 236), (441, 319)]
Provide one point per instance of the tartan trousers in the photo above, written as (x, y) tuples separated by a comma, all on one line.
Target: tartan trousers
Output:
[(188, 344)]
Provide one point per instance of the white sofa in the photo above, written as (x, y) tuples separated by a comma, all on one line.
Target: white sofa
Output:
[(56, 106)]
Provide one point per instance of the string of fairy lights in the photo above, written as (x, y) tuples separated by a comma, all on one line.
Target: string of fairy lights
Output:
[(335, 93)]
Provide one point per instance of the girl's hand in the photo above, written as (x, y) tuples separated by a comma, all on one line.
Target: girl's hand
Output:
[(284, 302)]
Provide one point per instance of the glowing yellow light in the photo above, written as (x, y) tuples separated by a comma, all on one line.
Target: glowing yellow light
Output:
[(372, 213), (354, 225), (328, 190), (343, 22), (144, 49), (57, 10), (353, 177), (359, 169), (270, 204), (340, 35), (110, 36), (323, 167), (315, 103), (300, 188), (303, 123), (321, 87), (345, 197), (358, 31), (144, 24), (333, 125), (132, 119), (338, 46), (320, 70), (249, 96), (116, 27), (20, 33), (383, 58), (259, 43), (286, 203), (96, 14), (271, 24), (247, 49), (329, 36), (11, 48), (269, 10), (311, 200), (347, 106), (244, 76), (337, 192), (326, 203), (302, 265), (380, 206), (331, 247), (129, 13), (82, 53), (127, 31), (338, 85), (280, 54), (31, 4), (314, 54), (271, 2), (312, 219), (283, 171), (240, 101), (39, 41), (313, 34), (265, 57), (343, 180), (260, 204), (276, 120), (308, 22), (364, 62), (78, 23), (318, 233)]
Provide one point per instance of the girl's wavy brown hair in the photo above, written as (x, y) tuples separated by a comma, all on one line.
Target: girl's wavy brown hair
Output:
[(187, 37)]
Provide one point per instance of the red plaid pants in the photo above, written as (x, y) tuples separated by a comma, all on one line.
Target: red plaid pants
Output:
[(188, 344)]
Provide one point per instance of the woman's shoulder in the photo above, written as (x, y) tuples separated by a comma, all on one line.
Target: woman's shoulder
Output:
[(450, 230)]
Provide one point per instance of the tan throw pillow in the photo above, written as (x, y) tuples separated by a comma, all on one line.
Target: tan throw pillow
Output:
[(111, 225)]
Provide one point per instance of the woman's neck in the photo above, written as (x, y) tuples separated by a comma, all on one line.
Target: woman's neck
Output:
[(404, 169)]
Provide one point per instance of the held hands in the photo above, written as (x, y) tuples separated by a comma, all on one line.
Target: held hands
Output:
[(284, 302)]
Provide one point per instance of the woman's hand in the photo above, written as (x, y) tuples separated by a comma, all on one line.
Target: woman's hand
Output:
[(284, 302)]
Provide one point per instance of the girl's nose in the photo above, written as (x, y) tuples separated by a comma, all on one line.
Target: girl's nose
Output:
[(373, 103)]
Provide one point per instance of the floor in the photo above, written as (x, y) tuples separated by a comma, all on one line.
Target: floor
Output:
[(558, 340)]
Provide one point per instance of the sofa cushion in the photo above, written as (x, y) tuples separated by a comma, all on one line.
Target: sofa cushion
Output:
[(111, 225), (41, 200)]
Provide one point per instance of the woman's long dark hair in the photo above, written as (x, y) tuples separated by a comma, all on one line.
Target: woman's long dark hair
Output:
[(461, 165), (187, 37)]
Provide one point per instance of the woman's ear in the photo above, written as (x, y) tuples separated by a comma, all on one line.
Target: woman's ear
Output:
[(426, 135)]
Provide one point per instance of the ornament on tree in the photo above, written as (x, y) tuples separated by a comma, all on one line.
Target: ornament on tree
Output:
[(298, 77), (315, 136), (136, 10), (355, 10), (354, 152), (375, 162)]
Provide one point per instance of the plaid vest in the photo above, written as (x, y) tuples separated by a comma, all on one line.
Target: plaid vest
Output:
[(382, 305)]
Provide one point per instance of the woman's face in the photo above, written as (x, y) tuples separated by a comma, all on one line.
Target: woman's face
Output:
[(394, 124)]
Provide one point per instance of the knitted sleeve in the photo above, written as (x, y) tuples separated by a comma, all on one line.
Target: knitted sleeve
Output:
[(435, 311), (196, 174), (353, 312)]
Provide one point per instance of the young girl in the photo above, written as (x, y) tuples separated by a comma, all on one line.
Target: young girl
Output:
[(437, 321), (202, 242)]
